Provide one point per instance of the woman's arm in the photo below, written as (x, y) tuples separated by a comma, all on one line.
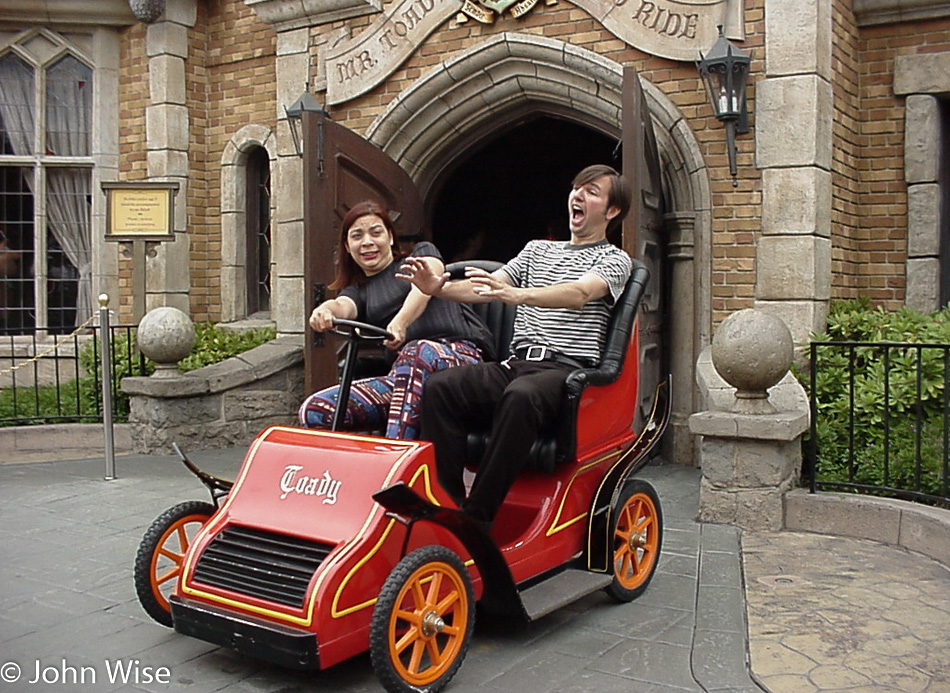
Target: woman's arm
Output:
[(431, 279), (321, 319), (414, 305)]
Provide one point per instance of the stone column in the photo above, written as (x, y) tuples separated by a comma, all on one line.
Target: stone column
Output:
[(923, 79), (750, 445), (678, 444), (168, 279), (793, 125), (289, 303)]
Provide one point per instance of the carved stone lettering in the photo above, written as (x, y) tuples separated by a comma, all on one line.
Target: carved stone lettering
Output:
[(357, 65), (675, 29)]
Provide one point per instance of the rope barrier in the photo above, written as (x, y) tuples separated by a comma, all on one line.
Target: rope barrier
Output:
[(53, 348)]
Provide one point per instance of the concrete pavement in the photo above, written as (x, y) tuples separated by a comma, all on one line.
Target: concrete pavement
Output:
[(68, 606)]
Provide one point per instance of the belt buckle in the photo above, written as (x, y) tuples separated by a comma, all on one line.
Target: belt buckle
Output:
[(536, 352)]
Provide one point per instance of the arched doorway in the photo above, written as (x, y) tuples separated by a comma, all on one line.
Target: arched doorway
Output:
[(513, 187), (511, 80)]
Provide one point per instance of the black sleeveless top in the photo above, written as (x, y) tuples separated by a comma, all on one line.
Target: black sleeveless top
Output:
[(380, 298)]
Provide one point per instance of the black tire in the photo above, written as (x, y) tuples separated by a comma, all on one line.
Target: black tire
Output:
[(636, 522), (422, 622), (158, 559)]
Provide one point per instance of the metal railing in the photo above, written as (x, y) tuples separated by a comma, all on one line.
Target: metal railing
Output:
[(47, 379), (880, 420)]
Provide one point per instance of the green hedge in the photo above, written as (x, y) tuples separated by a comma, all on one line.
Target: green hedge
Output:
[(81, 398), (859, 321)]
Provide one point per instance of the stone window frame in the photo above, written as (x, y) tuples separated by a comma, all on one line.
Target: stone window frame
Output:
[(924, 80), (234, 227)]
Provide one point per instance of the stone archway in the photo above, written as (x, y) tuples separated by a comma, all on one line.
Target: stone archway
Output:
[(462, 100)]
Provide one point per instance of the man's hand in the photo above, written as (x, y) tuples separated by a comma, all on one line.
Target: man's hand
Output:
[(487, 285), (417, 271)]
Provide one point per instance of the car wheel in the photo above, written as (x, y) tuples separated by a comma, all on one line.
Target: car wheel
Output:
[(422, 622), (637, 523), (158, 561)]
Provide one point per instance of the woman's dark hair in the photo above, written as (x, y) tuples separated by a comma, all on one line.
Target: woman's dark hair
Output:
[(347, 271), (620, 195)]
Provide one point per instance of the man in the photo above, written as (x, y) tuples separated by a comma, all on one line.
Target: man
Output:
[(564, 291)]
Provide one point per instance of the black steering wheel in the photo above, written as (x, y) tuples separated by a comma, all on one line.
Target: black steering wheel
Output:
[(362, 331), (355, 333)]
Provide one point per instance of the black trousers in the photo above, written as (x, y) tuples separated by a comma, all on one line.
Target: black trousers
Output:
[(516, 401)]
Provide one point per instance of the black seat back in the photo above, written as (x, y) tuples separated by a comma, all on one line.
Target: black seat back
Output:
[(498, 317)]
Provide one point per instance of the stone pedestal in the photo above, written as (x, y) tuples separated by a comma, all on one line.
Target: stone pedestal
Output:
[(750, 434), (749, 462)]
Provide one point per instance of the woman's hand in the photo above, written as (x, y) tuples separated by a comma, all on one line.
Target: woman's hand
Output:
[(321, 319), (398, 330), (420, 273)]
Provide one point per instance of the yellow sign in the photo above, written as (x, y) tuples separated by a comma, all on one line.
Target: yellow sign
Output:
[(140, 211)]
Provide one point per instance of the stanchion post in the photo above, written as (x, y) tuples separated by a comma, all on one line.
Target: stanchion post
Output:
[(105, 344)]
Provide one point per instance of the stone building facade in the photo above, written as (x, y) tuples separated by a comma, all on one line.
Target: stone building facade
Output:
[(842, 186)]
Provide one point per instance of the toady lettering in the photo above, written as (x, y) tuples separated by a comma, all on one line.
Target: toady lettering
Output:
[(325, 486)]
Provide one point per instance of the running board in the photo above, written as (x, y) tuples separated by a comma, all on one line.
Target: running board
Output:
[(560, 590)]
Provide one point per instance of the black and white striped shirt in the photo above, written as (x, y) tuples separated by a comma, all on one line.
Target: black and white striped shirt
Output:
[(579, 333)]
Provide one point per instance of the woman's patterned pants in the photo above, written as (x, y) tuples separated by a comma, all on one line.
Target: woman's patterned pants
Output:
[(393, 399)]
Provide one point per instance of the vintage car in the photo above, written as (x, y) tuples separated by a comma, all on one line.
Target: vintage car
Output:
[(329, 543)]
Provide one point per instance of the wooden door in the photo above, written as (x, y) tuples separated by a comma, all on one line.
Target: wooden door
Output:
[(643, 236), (341, 169)]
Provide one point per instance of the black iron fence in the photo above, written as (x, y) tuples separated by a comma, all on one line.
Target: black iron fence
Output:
[(58, 379), (880, 419)]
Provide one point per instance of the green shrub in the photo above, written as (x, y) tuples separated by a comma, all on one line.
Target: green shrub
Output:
[(81, 399), (862, 461), (213, 344)]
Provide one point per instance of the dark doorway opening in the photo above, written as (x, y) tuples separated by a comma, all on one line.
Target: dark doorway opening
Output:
[(514, 188)]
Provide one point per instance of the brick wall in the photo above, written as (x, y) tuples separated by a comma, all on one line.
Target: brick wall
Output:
[(883, 201), (230, 73), (846, 257)]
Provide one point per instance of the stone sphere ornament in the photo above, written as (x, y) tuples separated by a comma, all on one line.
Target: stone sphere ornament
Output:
[(166, 335), (147, 11), (752, 351)]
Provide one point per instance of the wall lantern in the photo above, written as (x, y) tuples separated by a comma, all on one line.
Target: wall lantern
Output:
[(724, 70), (305, 102)]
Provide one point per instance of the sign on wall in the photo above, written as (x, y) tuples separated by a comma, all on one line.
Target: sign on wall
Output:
[(675, 29), (140, 211)]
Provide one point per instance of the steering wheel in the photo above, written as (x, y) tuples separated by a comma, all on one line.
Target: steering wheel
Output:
[(353, 329)]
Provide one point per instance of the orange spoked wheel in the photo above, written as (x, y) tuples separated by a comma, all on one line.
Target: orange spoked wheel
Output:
[(637, 523), (423, 621), (158, 561)]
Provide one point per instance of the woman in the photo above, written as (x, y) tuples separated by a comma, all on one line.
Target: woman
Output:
[(433, 334)]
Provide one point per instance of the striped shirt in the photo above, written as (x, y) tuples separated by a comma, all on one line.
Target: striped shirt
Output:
[(579, 333)]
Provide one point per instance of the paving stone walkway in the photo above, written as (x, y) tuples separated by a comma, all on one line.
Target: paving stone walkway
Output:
[(824, 613), (834, 614)]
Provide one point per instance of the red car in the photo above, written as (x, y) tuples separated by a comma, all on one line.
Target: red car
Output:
[(328, 543)]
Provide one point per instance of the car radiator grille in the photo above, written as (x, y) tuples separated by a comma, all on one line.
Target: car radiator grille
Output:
[(261, 564)]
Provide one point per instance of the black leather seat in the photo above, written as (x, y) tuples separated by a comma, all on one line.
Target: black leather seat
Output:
[(559, 446)]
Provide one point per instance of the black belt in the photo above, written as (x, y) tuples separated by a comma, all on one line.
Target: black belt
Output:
[(540, 352)]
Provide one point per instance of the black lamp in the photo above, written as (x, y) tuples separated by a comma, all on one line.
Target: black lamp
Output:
[(305, 102), (724, 70)]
